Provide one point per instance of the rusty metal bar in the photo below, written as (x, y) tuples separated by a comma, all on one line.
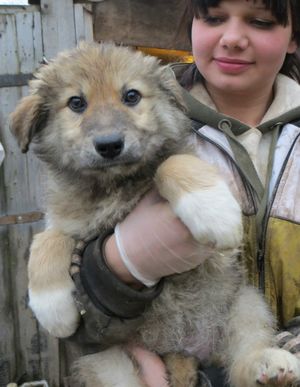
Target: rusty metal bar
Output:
[(28, 217), (13, 80)]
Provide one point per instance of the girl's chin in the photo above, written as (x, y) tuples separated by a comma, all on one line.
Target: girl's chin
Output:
[(227, 88)]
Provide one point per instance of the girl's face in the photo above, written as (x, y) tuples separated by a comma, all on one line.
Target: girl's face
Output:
[(240, 47)]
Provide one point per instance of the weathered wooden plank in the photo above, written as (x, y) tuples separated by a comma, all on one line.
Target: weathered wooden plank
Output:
[(12, 10), (83, 23), (7, 352), (79, 23), (34, 353), (8, 57), (152, 23), (58, 26), (7, 348)]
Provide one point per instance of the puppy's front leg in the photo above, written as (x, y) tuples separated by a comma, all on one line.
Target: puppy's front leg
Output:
[(202, 200), (50, 285), (253, 359)]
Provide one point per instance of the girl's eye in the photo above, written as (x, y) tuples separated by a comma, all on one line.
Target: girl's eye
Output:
[(212, 20), (263, 23), (77, 103)]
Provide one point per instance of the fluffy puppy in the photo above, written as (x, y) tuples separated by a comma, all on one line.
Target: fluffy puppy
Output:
[(104, 119)]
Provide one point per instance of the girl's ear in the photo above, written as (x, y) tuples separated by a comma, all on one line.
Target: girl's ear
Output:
[(293, 46), (29, 117)]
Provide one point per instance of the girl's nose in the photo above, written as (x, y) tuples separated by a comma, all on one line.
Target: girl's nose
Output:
[(234, 37)]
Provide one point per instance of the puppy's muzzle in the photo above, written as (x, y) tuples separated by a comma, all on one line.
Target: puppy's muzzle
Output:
[(109, 146)]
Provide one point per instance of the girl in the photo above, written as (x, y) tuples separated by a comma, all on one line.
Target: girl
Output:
[(246, 81)]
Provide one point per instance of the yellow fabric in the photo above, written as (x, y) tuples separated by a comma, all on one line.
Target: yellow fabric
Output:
[(249, 249), (282, 268), (282, 265)]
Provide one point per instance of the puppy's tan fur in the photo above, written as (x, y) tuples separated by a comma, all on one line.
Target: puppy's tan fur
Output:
[(207, 312)]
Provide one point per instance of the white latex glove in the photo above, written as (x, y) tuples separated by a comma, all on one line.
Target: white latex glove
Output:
[(154, 243)]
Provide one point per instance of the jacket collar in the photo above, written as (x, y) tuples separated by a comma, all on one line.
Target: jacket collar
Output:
[(285, 108)]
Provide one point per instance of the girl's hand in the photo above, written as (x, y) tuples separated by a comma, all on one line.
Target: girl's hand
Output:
[(152, 368), (152, 243)]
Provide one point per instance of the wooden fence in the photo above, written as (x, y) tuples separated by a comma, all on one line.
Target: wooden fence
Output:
[(26, 35)]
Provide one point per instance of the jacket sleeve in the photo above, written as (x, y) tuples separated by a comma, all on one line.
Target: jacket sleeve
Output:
[(110, 309), (289, 339)]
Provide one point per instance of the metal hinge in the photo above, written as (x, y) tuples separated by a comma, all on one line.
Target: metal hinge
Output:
[(28, 217)]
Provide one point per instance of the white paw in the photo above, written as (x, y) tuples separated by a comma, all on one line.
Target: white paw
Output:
[(109, 368), (55, 309), (212, 215), (275, 367)]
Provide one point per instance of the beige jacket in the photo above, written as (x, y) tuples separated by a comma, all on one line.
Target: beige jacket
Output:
[(277, 269)]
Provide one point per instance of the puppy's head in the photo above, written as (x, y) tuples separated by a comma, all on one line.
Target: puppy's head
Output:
[(98, 107)]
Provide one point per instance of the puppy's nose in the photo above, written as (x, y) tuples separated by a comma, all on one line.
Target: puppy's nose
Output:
[(109, 146)]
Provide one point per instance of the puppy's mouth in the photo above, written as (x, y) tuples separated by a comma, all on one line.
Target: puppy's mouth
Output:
[(97, 163)]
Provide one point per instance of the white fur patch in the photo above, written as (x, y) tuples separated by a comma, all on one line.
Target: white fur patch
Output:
[(212, 215), (114, 368), (55, 310)]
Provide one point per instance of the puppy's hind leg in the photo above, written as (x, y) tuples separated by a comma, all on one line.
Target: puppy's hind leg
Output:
[(182, 370), (253, 360)]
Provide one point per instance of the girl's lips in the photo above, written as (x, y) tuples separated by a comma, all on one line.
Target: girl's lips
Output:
[(232, 66)]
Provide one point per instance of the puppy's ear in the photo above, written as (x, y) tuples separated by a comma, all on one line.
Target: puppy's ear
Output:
[(170, 84), (29, 117)]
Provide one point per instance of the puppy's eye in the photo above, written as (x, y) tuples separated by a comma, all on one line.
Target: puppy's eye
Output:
[(131, 97), (77, 104)]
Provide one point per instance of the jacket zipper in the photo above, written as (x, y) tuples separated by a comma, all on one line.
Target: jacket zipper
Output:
[(241, 173), (262, 242)]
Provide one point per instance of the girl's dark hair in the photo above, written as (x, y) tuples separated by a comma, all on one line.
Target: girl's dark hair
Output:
[(280, 10)]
